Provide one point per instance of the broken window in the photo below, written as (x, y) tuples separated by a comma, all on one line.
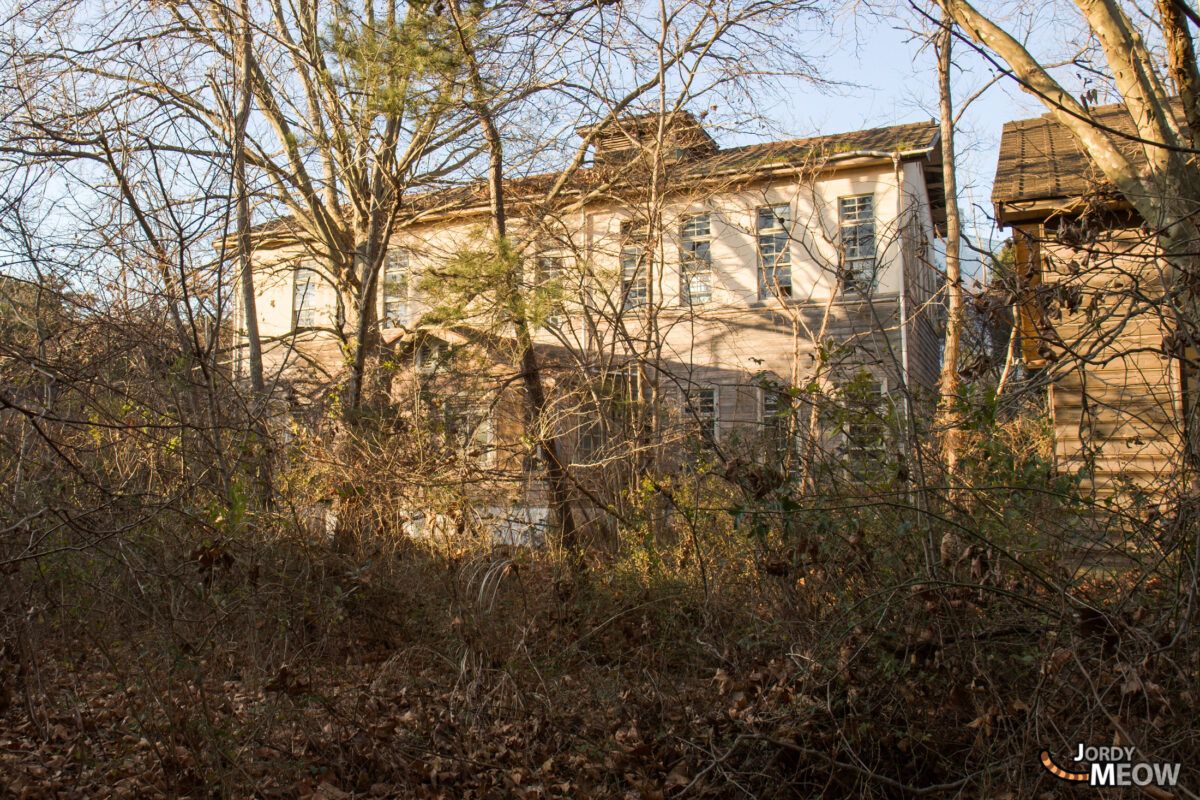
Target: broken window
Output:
[(701, 406), (856, 216), (773, 224), (695, 260), (635, 267)]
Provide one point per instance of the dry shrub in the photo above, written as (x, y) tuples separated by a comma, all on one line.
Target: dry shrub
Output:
[(737, 631)]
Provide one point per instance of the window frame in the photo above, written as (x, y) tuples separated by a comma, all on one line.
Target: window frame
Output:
[(399, 319), (773, 422), (779, 235), (304, 308), (543, 278), (855, 225), (635, 265), (695, 269), (706, 423), (767, 415), (866, 438)]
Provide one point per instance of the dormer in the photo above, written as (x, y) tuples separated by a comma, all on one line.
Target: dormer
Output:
[(620, 140)]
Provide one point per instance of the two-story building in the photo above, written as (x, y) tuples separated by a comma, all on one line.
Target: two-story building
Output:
[(704, 282)]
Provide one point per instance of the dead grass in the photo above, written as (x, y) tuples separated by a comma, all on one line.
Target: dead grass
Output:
[(380, 668)]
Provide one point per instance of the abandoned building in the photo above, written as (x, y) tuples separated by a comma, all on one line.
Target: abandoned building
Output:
[(707, 294)]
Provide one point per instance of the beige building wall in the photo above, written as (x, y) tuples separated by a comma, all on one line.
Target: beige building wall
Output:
[(730, 342)]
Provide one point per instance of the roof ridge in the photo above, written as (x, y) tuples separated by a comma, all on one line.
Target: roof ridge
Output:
[(840, 134), (750, 158)]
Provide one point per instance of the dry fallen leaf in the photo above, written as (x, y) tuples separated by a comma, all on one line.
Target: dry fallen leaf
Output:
[(676, 777), (327, 791)]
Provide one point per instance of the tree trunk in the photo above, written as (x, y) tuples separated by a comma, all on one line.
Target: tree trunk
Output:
[(245, 264), (531, 374), (1182, 60), (949, 385), (261, 458), (364, 343)]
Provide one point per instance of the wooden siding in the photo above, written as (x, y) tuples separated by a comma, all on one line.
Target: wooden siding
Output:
[(1028, 265), (1116, 396)]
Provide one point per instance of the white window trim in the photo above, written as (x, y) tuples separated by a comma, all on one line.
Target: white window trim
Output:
[(556, 321), (386, 321), (539, 277), (763, 393), (845, 287), (686, 276), (307, 300), (636, 278), (633, 240), (771, 291)]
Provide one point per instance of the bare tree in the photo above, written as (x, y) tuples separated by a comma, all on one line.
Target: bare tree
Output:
[(242, 193), (1166, 191), (677, 46), (949, 385)]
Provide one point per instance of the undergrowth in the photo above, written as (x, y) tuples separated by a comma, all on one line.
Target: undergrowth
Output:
[(862, 636)]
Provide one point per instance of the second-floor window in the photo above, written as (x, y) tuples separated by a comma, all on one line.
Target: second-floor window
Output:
[(548, 273), (695, 260), (549, 269), (395, 289), (304, 297), (635, 268), (856, 218), (774, 256)]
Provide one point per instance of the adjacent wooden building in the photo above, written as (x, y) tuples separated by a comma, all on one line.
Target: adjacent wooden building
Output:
[(1093, 318)]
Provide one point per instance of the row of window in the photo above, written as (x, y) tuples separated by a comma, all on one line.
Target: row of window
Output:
[(773, 231), (394, 291), (864, 429), (471, 430)]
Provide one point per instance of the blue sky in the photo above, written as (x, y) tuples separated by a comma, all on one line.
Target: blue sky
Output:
[(882, 76)]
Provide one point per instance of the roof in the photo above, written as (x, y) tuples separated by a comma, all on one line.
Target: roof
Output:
[(1041, 160), (910, 140)]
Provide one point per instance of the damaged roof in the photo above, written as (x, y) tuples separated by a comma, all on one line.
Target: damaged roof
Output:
[(911, 140), (1040, 159)]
